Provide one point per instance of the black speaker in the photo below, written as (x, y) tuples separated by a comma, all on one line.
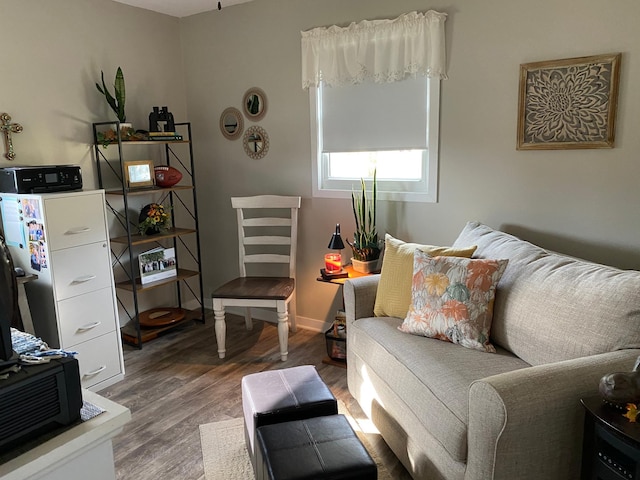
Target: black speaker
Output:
[(38, 399)]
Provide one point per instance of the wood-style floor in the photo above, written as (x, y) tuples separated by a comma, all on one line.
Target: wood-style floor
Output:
[(177, 382)]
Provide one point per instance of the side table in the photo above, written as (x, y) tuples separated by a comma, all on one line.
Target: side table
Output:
[(611, 444), (340, 281)]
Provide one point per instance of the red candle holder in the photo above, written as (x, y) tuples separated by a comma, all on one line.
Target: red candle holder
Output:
[(333, 262)]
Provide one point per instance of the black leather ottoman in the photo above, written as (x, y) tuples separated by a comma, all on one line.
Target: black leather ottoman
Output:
[(283, 395), (316, 448)]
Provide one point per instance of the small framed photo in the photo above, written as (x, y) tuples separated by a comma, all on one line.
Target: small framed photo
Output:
[(139, 173), (568, 103)]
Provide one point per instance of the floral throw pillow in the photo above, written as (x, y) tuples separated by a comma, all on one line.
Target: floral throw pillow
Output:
[(452, 299)]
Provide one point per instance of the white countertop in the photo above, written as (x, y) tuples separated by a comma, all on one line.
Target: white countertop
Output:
[(70, 443)]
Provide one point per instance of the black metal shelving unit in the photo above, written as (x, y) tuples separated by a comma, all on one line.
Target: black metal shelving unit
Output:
[(123, 246)]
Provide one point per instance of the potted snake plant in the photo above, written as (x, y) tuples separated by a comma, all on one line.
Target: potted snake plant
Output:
[(365, 246), (116, 102)]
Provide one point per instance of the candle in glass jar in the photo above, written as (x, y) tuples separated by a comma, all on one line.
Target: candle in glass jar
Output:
[(332, 262)]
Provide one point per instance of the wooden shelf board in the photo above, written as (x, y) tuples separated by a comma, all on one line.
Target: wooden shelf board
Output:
[(146, 191), (182, 275), (130, 336), (138, 239), (145, 142)]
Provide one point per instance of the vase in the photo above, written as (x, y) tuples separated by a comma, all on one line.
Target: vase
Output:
[(365, 267)]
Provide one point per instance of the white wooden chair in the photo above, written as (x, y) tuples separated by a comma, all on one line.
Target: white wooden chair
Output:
[(262, 241)]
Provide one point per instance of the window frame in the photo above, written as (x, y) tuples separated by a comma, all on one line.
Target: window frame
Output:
[(323, 187)]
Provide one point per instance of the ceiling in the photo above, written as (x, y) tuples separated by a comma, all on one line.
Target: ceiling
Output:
[(180, 8)]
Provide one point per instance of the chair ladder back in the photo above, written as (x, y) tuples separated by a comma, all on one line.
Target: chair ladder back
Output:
[(294, 241), (267, 202), (241, 250)]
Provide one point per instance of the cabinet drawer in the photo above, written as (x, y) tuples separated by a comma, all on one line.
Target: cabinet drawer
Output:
[(86, 316), (99, 359), (75, 220), (81, 270)]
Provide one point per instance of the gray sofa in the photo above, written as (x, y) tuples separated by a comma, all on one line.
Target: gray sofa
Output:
[(559, 325)]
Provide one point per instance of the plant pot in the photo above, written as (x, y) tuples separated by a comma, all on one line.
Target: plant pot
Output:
[(126, 131), (365, 267)]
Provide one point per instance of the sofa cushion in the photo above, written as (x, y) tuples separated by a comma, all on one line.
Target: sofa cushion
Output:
[(394, 289), (432, 377), (452, 299), (551, 307)]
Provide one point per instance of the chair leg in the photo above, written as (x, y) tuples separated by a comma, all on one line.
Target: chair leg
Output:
[(247, 318), (292, 314), (220, 326), (283, 331)]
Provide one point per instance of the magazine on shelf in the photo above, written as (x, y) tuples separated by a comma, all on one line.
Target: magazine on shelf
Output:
[(157, 264)]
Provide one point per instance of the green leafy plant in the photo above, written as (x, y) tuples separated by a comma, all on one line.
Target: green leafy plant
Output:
[(365, 245), (116, 101)]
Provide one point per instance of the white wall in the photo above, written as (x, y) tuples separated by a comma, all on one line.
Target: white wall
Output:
[(584, 202), (52, 55)]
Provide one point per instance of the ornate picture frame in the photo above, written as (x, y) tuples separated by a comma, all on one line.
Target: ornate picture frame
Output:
[(256, 142), (569, 103)]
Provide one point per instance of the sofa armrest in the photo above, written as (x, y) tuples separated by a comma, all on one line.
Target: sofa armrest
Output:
[(528, 423), (360, 297)]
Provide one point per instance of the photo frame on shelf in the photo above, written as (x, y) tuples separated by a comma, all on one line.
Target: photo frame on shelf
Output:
[(569, 103), (139, 173)]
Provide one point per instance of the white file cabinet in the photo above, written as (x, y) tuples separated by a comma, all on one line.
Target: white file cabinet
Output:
[(63, 238)]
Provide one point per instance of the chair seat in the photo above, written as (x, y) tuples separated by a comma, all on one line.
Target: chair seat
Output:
[(270, 288)]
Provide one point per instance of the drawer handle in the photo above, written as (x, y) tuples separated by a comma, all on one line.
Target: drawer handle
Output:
[(95, 372), (76, 231), (84, 278), (89, 326)]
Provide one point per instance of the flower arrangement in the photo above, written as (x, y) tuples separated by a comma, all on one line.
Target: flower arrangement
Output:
[(153, 219)]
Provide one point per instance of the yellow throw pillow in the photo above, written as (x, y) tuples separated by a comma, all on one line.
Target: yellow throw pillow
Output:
[(394, 289)]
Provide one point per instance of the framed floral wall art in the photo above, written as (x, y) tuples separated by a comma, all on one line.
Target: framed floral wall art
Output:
[(568, 103)]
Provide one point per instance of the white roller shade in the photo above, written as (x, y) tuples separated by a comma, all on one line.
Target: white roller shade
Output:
[(371, 116)]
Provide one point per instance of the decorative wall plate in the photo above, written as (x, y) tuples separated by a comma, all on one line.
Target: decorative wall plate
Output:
[(256, 142)]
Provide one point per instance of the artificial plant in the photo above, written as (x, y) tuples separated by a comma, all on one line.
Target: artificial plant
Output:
[(365, 245), (116, 101)]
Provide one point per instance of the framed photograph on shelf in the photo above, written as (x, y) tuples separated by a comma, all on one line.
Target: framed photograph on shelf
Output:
[(139, 173), (569, 103), (157, 264)]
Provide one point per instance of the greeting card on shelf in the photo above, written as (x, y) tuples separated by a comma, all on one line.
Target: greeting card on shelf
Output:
[(157, 264)]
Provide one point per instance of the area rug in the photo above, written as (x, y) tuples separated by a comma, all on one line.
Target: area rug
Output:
[(225, 456)]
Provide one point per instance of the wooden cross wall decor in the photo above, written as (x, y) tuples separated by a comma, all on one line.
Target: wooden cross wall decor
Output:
[(7, 129)]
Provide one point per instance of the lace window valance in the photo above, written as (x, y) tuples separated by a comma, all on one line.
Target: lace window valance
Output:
[(382, 50)]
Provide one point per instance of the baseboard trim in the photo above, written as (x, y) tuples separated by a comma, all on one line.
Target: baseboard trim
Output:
[(307, 323)]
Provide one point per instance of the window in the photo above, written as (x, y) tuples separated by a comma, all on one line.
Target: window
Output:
[(374, 96), (391, 127)]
